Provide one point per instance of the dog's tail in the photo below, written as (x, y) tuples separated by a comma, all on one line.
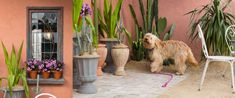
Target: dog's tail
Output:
[(191, 60)]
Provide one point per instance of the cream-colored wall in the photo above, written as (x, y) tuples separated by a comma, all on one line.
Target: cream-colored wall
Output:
[(13, 31)]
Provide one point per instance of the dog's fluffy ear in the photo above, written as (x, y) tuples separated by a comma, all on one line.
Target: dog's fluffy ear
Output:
[(157, 41)]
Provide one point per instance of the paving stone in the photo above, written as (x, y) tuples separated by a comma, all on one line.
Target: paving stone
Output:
[(138, 83)]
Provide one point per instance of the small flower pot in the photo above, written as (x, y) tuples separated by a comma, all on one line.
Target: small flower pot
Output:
[(57, 74), (102, 52), (45, 75), (33, 74)]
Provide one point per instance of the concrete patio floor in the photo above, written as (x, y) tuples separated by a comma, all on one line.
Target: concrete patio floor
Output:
[(215, 86), (138, 83)]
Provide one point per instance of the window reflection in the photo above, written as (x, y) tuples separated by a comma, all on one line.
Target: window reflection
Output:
[(44, 35)]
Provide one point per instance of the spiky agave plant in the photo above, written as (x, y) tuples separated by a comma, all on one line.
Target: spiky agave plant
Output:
[(214, 19), (15, 72)]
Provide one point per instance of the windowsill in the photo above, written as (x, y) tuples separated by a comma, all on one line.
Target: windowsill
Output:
[(46, 81)]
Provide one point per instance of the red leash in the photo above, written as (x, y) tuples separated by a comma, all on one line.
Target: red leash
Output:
[(169, 80)]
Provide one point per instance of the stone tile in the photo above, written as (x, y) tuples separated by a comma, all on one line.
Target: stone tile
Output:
[(138, 83)]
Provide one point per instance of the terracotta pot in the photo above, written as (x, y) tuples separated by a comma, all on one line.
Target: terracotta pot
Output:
[(57, 74), (33, 74), (102, 52), (120, 54), (45, 75)]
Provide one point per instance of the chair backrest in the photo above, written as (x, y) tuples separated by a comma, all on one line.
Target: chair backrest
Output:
[(230, 38), (201, 36), (45, 94)]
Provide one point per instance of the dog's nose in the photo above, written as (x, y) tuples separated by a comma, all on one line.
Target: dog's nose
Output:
[(145, 40)]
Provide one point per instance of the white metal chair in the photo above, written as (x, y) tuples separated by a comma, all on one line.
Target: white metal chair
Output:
[(45, 94), (230, 38), (228, 59)]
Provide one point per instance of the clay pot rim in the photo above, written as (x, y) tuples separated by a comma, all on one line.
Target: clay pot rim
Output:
[(120, 46)]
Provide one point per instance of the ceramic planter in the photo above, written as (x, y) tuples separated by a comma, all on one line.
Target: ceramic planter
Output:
[(76, 81), (87, 66), (17, 92), (33, 74), (102, 52), (110, 67), (120, 54)]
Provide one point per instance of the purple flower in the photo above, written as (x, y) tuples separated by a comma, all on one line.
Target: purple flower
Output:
[(32, 64), (86, 10)]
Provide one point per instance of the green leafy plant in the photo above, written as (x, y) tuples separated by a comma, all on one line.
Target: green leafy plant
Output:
[(15, 72), (108, 21), (77, 6), (214, 20), (162, 23)]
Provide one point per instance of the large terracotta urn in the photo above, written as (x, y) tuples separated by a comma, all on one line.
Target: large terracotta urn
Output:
[(120, 55), (102, 52)]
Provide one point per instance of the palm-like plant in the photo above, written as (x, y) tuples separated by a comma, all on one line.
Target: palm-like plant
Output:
[(214, 20), (110, 18), (15, 72)]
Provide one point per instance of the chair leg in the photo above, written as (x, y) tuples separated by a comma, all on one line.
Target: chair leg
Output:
[(203, 74), (232, 75), (224, 71)]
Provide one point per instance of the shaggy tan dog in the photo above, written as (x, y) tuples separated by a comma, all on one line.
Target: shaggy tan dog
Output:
[(159, 51)]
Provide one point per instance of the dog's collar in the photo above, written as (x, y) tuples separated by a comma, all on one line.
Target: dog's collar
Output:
[(151, 49)]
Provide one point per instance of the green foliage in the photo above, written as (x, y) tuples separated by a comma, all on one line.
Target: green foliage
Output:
[(214, 20), (108, 22), (77, 5), (95, 33), (15, 72), (147, 16)]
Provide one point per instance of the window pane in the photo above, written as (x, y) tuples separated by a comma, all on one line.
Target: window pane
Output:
[(44, 35)]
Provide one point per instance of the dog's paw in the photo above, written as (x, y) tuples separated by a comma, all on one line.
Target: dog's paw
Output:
[(153, 70), (178, 73)]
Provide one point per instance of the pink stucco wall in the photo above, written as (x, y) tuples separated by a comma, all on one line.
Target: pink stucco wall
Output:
[(13, 31), (174, 11)]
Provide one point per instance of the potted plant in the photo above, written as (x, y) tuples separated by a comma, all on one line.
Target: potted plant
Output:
[(15, 74), (32, 67), (46, 68), (214, 20), (108, 23), (120, 52), (57, 69), (77, 6), (87, 59), (101, 48)]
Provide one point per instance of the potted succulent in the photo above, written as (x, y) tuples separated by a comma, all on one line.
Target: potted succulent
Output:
[(15, 74), (46, 68), (87, 59), (32, 67), (108, 23), (57, 69)]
